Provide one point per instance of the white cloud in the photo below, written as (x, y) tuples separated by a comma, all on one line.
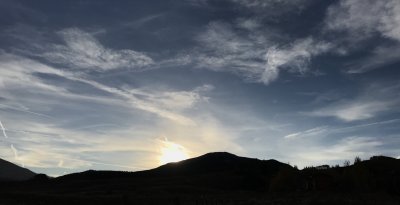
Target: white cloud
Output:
[(376, 100), (176, 100), (251, 55), (354, 110), (82, 50), (209, 135), (136, 102), (345, 149), (323, 131), (379, 57), (360, 20), (310, 132), (172, 100), (391, 22), (363, 18), (21, 108), (142, 21), (222, 49), (19, 73), (249, 49), (249, 24), (269, 3), (296, 57), (222, 38), (273, 7), (3, 129)]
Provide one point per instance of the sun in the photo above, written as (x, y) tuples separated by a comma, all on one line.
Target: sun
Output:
[(172, 152)]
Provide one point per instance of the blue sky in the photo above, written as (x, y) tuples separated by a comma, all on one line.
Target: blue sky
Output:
[(95, 84)]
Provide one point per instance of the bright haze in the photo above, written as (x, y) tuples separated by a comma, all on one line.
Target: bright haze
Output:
[(131, 85)]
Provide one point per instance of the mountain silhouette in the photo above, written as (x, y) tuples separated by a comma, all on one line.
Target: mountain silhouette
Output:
[(215, 162), (12, 172), (218, 162), (218, 178), (221, 165)]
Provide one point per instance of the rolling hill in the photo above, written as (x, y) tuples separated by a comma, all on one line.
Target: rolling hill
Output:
[(12, 172), (208, 164)]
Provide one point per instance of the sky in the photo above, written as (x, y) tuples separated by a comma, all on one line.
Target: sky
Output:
[(109, 85)]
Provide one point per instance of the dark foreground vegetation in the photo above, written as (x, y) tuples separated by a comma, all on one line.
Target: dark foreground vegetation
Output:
[(218, 179)]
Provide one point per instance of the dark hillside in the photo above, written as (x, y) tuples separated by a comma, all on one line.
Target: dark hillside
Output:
[(12, 172), (219, 162), (219, 170)]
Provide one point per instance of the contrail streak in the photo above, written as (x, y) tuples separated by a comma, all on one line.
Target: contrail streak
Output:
[(26, 111), (371, 124), (97, 125), (15, 151), (3, 129)]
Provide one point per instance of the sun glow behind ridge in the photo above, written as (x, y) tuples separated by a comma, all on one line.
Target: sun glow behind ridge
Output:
[(172, 152)]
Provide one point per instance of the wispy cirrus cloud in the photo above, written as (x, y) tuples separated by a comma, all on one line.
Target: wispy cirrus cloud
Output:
[(253, 56), (257, 57), (222, 49), (378, 58), (173, 100), (345, 149), (132, 100), (20, 72), (273, 4), (244, 48), (310, 132), (82, 51), (48, 146), (323, 131), (254, 3), (375, 100), (365, 18), (295, 57), (361, 20), (354, 110)]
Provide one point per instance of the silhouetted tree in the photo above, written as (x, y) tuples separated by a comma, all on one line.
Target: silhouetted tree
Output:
[(357, 160), (346, 163)]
